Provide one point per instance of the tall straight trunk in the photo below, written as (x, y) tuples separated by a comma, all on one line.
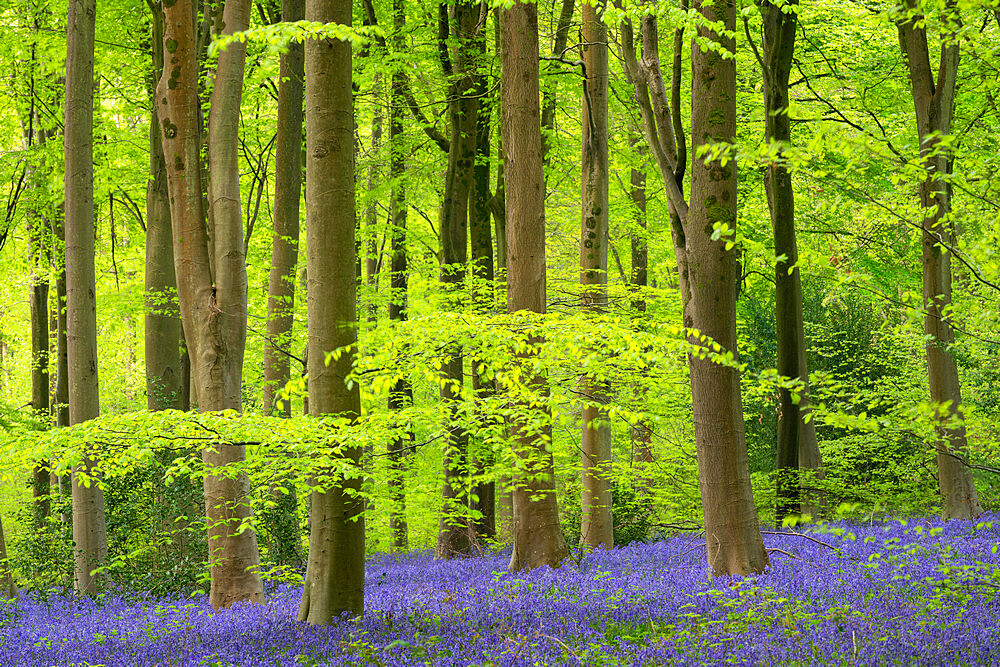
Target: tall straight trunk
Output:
[(596, 528), (797, 446), (642, 432), (708, 272), (89, 531), (335, 575), (283, 518), (285, 236), (538, 540), (211, 275), (481, 246), (934, 103), (371, 210), (39, 236), (162, 317), (60, 397), (8, 589), (402, 393), (732, 531), (455, 533)]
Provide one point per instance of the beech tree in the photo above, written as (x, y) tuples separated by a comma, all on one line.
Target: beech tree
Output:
[(934, 103), (707, 267), (596, 529), (537, 537), (89, 531), (162, 317), (211, 273), (796, 447), (335, 574)]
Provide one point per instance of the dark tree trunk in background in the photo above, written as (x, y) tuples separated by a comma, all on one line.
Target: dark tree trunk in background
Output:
[(402, 394), (642, 432), (89, 531), (481, 246), (162, 316), (211, 275), (455, 532), (60, 398), (285, 235), (934, 102), (797, 446), (39, 241), (335, 575), (282, 520), (596, 528), (537, 537)]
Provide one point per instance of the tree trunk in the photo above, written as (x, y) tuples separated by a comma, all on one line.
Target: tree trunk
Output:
[(402, 393), (283, 519), (481, 245), (211, 276), (642, 432), (60, 398), (596, 528), (797, 445), (162, 317), (732, 531), (537, 537), (371, 210), (455, 533), (335, 575), (38, 299), (89, 531), (934, 102), (8, 589), (285, 236)]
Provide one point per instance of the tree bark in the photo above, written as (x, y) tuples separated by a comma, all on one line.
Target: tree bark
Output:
[(8, 589), (335, 575), (89, 531), (596, 528), (39, 235), (732, 532), (707, 272), (60, 398), (455, 532), (285, 236), (162, 317), (538, 540), (934, 103), (481, 246), (549, 95), (797, 446), (402, 393), (642, 432), (211, 275)]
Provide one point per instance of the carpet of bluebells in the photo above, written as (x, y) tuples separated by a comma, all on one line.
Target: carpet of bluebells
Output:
[(920, 592)]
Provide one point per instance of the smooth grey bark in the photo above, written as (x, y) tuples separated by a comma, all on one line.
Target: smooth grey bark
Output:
[(642, 432), (211, 274), (797, 447), (285, 222), (162, 316), (708, 272), (934, 103), (89, 530), (537, 537), (596, 527), (335, 575)]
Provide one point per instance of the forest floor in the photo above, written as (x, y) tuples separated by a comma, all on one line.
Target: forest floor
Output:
[(915, 592)]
